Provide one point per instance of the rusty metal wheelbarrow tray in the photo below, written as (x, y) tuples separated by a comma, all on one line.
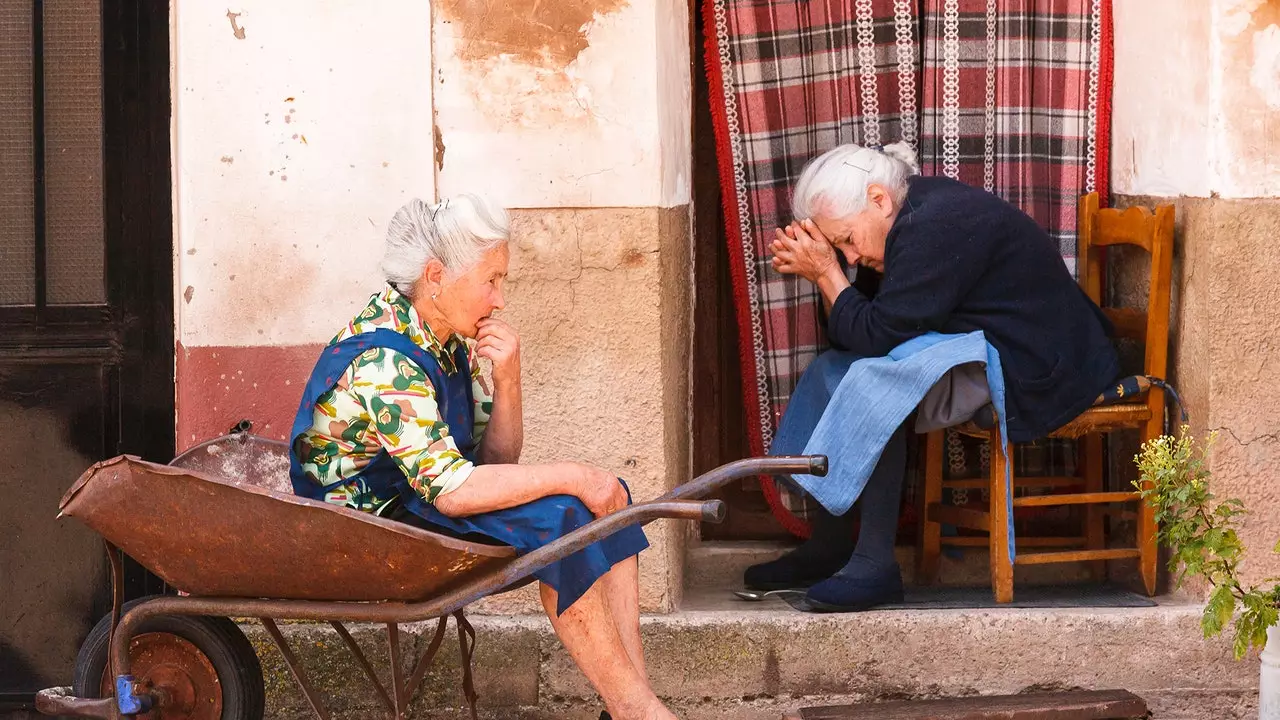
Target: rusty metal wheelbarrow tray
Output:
[(240, 550), (219, 537)]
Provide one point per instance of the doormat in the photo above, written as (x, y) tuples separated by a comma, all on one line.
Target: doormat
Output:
[(960, 598)]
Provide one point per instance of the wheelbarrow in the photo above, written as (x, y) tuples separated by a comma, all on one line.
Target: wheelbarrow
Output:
[(219, 525)]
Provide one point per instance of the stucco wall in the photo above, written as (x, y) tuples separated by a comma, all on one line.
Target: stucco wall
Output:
[(1197, 91), (1196, 95), (299, 129)]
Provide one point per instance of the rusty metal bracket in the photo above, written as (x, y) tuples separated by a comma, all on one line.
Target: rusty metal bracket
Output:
[(295, 667), (424, 662), (364, 663), (59, 701), (397, 677), (117, 594)]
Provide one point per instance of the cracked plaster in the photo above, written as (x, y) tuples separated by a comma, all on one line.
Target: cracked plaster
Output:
[(1225, 340)]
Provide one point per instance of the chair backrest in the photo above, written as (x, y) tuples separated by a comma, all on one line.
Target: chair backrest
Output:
[(1152, 231)]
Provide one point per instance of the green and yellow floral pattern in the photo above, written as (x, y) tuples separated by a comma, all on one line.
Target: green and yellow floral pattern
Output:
[(384, 400)]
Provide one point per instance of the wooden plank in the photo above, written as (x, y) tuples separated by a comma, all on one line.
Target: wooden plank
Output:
[(998, 550), (1076, 556), (960, 517), (1157, 364), (1074, 499), (1105, 418), (1070, 705), (1129, 322), (1018, 482), (929, 534), (1090, 452), (1023, 542), (1089, 264), (1134, 226)]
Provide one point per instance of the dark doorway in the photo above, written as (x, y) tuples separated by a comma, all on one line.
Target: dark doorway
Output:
[(86, 304)]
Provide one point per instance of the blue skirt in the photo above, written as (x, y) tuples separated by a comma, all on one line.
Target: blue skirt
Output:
[(530, 526)]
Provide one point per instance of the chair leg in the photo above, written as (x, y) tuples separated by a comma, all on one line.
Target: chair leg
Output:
[(1094, 528), (929, 533), (998, 544), (1148, 552)]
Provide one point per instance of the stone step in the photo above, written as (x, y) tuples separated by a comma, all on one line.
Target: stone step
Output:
[(721, 564), (752, 661)]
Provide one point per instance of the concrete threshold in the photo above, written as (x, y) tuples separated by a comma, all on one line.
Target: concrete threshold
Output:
[(720, 658)]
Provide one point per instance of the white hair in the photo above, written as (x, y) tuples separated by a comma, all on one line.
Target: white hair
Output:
[(836, 181), (456, 232)]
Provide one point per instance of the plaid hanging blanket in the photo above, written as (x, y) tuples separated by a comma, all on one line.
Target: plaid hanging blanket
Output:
[(1010, 95)]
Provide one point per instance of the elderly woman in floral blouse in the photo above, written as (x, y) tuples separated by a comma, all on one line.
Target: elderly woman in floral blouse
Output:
[(397, 420)]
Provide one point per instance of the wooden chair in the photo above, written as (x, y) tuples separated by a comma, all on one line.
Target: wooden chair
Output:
[(1098, 229)]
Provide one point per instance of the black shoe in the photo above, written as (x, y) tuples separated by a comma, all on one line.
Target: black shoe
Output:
[(799, 568), (857, 591)]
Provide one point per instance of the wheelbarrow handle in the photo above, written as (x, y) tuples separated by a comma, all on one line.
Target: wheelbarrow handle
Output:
[(713, 480), (442, 605)]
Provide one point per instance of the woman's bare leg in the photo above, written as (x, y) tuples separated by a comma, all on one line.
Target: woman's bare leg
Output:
[(622, 593), (591, 637)]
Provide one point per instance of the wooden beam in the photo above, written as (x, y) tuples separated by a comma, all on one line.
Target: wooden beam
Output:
[(1075, 556), (1129, 322), (982, 541), (1070, 705), (1075, 499), (960, 517), (1018, 482)]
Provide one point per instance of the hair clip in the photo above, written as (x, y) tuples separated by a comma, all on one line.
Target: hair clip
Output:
[(443, 204), (867, 169), (856, 166)]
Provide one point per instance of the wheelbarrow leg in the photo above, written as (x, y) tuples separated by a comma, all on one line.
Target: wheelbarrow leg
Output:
[(117, 593), (130, 700), (291, 661), (365, 665), (397, 674)]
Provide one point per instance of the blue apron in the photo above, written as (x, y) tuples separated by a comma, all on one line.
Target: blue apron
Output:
[(524, 527)]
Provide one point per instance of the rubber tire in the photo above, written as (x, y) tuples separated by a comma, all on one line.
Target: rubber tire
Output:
[(228, 650)]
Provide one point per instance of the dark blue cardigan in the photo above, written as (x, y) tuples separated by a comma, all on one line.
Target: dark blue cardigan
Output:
[(960, 259)]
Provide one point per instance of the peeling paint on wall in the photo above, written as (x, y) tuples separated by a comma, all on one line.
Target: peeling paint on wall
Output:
[(236, 30), (533, 32), (1264, 76), (439, 152), (567, 98)]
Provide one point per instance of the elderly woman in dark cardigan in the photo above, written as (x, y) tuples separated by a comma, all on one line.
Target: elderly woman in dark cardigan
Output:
[(954, 259)]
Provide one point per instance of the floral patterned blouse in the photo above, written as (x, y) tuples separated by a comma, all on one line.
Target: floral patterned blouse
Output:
[(384, 400)]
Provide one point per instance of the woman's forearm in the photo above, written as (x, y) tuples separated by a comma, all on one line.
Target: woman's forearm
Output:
[(504, 437), (831, 284), (497, 487)]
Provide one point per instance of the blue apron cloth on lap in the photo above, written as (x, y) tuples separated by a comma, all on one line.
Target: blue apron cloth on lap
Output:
[(846, 407), (524, 527)]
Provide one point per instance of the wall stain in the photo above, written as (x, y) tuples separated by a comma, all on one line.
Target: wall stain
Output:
[(228, 159), (536, 32), (235, 26), (188, 294), (1265, 15), (632, 258)]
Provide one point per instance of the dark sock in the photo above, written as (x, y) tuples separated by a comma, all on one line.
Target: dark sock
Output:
[(878, 506), (827, 550), (831, 536)]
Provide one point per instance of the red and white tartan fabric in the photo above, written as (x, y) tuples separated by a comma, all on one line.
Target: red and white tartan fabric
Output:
[(1011, 95)]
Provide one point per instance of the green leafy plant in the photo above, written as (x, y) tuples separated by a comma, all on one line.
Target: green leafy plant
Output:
[(1200, 531)]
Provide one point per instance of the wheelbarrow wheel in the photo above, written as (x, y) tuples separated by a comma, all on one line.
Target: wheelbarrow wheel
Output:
[(201, 668)]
